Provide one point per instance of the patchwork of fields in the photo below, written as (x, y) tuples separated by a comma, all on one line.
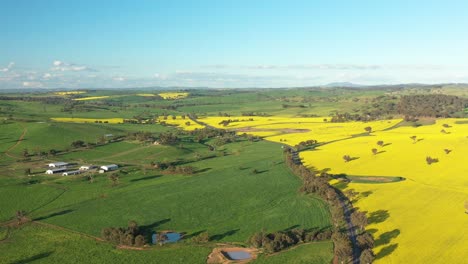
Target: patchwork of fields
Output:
[(418, 220)]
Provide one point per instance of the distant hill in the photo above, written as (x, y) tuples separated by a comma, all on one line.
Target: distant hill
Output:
[(343, 84)]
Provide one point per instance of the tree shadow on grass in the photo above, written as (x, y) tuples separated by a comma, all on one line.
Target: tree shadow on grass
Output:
[(148, 229), (225, 234), (291, 228), (385, 251), (194, 234), (33, 258), (386, 238), (53, 215), (202, 170), (378, 216), (146, 178)]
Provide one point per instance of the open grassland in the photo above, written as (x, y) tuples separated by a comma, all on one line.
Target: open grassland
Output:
[(42, 244), (233, 207), (304, 254), (173, 95), (223, 197), (427, 208)]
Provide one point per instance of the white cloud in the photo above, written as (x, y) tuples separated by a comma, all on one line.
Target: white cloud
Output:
[(64, 66), (7, 68), (32, 84), (119, 79)]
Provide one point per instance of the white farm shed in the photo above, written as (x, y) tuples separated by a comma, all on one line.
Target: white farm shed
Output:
[(87, 167), (57, 164), (75, 172), (110, 167), (54, 171)]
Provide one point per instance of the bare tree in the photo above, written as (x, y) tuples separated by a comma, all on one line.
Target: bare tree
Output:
[(368, 129), (447, 151), (413, 138), (374, 151), (20, 216), (380, 143)]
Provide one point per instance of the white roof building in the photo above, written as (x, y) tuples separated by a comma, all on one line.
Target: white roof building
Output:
[(87, 167), (110, 167), (75, 172), (57, 164), (54, 171)]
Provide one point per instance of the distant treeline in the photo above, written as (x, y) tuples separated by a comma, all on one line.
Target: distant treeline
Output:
[(433, 105), (410, 106)]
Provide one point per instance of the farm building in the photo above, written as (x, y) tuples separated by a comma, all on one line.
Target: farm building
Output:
[(110, 167), (57, 164), (87, 167), (57, 170), (75, 172)]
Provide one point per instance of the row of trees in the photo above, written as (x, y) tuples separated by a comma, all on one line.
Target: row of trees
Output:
[(317, 183), (277, 241)]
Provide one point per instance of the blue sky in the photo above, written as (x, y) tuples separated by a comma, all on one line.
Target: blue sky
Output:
[(92, 44)]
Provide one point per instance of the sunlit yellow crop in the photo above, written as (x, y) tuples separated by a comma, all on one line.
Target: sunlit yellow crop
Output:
[(418, 220), (145, 94), (88, 120), (91, 98), (173, 95), (70, 92), (421, 219), (294, 130), (181, 122)]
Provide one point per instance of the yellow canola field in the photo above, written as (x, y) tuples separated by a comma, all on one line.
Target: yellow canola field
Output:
[(88, 120), (421, 219), (173, 95), (292, 130), (91, 98), (69, 92), (146, 95), (181, 123)]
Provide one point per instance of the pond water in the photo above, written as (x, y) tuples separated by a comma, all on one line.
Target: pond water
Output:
[(238, 255), (171, 237)]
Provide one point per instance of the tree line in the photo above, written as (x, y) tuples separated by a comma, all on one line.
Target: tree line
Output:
[(318, 183)]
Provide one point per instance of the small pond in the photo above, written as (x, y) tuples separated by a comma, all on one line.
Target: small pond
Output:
[(172, 237), (237, 255)]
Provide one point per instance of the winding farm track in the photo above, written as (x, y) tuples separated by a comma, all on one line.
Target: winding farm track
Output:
[(25, 130)]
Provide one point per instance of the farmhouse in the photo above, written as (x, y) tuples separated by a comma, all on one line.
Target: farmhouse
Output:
[(57, 170), (57, 164), (87, 167), (110, 167), (75, 172)]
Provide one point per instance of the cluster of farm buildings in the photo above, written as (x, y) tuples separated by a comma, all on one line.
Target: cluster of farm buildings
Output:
[(63, 168)]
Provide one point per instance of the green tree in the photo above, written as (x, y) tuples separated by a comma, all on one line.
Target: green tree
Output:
[(140, 241), (359, 219), (365, 241), (367, 256)]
